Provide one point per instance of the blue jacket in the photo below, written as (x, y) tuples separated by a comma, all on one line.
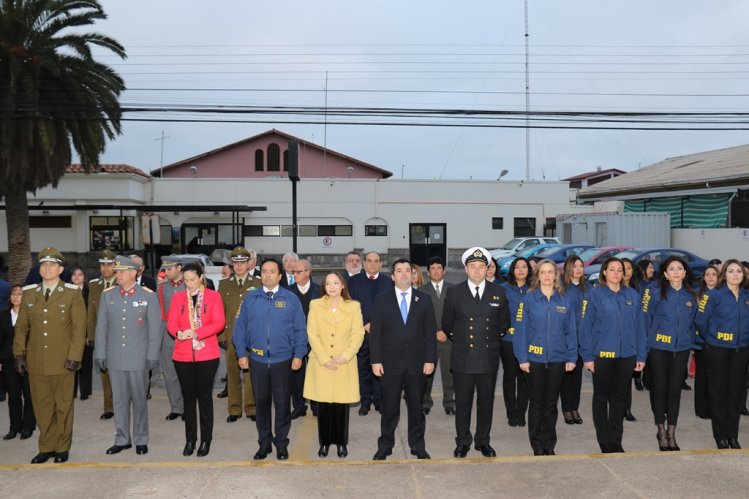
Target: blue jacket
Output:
[(514, 295), (613, 325), (575, 296), (670, 322), (722, 320), (271, 329), (545, 329)]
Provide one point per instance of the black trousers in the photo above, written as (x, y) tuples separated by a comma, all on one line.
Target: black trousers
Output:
[(332, 423), (297, 387), (465, 386), (667, 370), (572, 383), (19, 399), (196, 380), (544, 384), (272, 386), (701, 393), (393, 385), (611, 379), (83, 376), (726, 379), (369, 384), (514, 385)]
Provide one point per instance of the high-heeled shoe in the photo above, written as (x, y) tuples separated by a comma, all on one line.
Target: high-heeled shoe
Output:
[(672, 445), (567, 415), (323, 452), (576, 417), (662, 438), (189, 449), (629, 416), (342, 451)]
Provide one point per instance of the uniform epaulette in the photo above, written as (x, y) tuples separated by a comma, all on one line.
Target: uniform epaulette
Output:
[(94, 280), (30, 286), (109, 289), (71, 286)]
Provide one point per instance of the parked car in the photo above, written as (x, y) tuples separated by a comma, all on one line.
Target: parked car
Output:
[(519, 244), (596, 256), (560, 253), (656, 256), (504, 263), (212, 271)]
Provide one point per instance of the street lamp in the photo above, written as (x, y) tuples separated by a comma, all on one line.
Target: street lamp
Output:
[(502, 174)]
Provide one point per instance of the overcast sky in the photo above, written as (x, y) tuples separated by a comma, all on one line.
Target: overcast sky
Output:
[(647, 56)]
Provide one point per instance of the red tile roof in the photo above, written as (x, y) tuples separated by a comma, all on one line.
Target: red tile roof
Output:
[(107, 168)]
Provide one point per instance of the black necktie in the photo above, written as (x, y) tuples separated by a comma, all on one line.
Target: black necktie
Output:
[(477, 296), (239, 282), (108, 284), (46, 294), (269, 294)]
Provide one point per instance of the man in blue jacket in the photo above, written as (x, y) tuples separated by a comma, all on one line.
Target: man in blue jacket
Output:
[(271, 328)]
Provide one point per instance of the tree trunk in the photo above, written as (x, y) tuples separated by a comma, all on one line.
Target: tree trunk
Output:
[(19, 247)]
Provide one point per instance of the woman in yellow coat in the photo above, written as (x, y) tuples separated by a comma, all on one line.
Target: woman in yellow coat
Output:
[(335, 332)]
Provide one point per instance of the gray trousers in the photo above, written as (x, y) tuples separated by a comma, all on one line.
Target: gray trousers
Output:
[(448, 392), (130, 388), (171, 382)]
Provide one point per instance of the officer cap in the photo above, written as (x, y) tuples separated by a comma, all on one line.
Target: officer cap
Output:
[(125, 263), (240, 254), (170, 260), (50, 254), (476, 254), (106, 256)]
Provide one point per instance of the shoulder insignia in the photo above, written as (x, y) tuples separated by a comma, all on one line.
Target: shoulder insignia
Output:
[(30, 286), (109, 289), (71, 286), (94, 280)]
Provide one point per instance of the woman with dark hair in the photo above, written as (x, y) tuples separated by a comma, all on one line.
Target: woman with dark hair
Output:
[(723, 322), (701, 397), (629, 279), (492, 272), (196, 317), (670, 307), (613, 343), (83, 377), (335, 332), (545, 345), (514, 385), (21, 412), (644, 271), (572, 286)]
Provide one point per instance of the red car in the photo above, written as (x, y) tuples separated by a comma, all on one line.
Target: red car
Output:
[(596, 256)]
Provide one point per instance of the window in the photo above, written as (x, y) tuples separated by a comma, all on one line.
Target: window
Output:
[(524, 226), (259, 160), (115, 233), (262, 230), (287, 231), (334, 230), (375, 230), (308, 231), (498, 223), (53, 222), (286, 160), (274, 158)]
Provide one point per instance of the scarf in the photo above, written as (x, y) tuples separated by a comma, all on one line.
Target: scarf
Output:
[(194, 312)]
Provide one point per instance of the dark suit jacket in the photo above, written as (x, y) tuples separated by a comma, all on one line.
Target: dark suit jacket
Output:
[(402, 347), (364, 292), (148, 282), (475, 328), (6, 337), (313, 293)]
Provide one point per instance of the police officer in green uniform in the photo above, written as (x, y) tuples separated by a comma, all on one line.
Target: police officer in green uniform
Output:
[(128, 336), (166, 290), (232, 291), (95, 288), (49, 338)]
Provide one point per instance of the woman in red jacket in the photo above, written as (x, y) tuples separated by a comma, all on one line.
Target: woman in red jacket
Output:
[(196, 316)]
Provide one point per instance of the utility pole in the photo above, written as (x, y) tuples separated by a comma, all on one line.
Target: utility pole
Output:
[(527, 103), (162, 139)]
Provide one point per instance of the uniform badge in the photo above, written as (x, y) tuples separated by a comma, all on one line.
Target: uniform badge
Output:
[(280, 304), (416, 298), (628, 301), (688, 304), (59, 288), (561, 309)]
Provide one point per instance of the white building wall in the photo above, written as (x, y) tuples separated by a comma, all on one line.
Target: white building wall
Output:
[(713, 243)]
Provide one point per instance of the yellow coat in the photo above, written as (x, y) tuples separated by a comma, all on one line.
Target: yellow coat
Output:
[(330, 335)]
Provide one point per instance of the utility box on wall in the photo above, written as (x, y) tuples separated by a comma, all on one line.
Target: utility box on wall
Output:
[(639, 230)]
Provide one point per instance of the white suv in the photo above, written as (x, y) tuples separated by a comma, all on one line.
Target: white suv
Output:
[(519, 244)]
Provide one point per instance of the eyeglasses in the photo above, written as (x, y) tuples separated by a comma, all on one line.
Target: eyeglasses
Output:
[(299, 271)]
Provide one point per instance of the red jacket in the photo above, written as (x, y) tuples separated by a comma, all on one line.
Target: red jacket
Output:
[(212, 320)]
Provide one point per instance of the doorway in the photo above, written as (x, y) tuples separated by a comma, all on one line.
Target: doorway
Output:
[(427, 240)]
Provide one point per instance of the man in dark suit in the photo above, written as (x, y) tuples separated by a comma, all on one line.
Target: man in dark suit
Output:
[(403, 350), (287, 275), (142, 279), (363, 288), (437, 290), (306, 291), (353, 263), (475, 317)]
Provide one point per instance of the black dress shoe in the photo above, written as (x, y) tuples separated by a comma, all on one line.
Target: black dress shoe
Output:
[(323, 451), (576, 417), (141, 449), (262, 453), (629, 416), (512, 422), (521, 421), (252, 417), (107, 415), (550, 452), (638, 385), (723, 444), (381, 455), (450, 411), (426, 410), (421, 454), (116, 449), (204, 449), (685, 386), (605, 447), (744, 411), (733, 443), (702, 416), (282, 453), (487, 450), (84, 397), (61, 457), (363, 410), (26, 434), (42, 457), (10, 435), (231, 418), (538, 452), (567, 415), (342, 451), (189, 449), (172, 416), (616, 447), (460, 451), (299, 413), (222, 394)]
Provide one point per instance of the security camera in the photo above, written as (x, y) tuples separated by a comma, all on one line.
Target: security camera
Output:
[(350, 171), (194, 170)]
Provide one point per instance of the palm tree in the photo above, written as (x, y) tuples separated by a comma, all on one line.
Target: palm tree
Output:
[(54, 98)]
